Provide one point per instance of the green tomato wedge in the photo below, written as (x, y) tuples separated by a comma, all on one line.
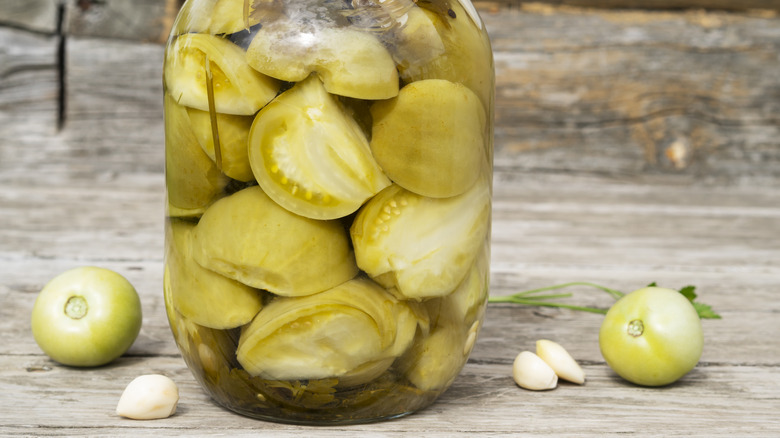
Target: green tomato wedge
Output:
[(310, 156), (217, 17), (423, 247), (205, 350), (430, 139), (351, 63), (233, 133), (466, 304), (250, 238), (238, 89), (353, 327), (434, 361), (417, 41), (205, 297), (466, 48), (192, 179)]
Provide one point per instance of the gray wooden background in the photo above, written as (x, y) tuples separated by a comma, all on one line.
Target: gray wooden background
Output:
[(636, 141), (687, 89)]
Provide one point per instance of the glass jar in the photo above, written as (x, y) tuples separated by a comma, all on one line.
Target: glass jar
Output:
[(329, 182)]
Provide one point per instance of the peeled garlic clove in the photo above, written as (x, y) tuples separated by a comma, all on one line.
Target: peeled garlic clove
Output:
[(148, 397), (531, 372), (560, 360)]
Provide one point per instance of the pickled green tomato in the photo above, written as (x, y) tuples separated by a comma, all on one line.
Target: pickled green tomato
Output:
[(422, 247), (250, 238), (86, 316), (434, 360), (310, 156), (237, 88), (652, 336), (233, 133), (431, 138), (201, 295), (418, 42), (220, 17), (330, 334), (192, 179), (455, 49), (350, 63)]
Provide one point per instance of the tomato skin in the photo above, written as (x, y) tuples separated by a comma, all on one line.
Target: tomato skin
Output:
[(652, 336), (101, 322)]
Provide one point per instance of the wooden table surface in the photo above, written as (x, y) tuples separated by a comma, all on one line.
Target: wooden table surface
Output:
[(632, 146)]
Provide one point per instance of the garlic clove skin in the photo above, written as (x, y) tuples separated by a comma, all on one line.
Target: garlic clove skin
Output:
[(149, 397), (560, 360), (531, 372)]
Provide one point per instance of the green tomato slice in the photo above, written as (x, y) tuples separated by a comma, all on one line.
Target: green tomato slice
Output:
[(348, 330), (310, 156), (217, 17), (417, 41), (201, 295), (433, 361), (466, 304), (351, 63), (467, 57), (233, 133), (238, 89), (431, 139), (423, 247), (192, 179), (250, 238)]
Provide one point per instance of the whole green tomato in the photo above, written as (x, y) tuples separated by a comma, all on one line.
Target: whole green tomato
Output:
[(652, 336), (87, 316)]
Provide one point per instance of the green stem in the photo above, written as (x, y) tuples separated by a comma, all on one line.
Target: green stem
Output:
[(615, 293), (548, 304), (529, 299)]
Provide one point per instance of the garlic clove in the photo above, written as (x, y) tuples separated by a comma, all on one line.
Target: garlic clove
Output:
[(149, 397), (531, 372), (560, 360)]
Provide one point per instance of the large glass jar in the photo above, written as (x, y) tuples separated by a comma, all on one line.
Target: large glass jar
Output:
[(329, 179)]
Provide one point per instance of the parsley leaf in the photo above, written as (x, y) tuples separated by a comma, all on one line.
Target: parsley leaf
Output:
[(688, 292), (705, 311)]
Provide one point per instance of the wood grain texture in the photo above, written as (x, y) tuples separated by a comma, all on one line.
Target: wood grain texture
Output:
[(139, 20), (678, 93), (35, 15), (547, 229), (29, 86), (588, 102), (754, 6)]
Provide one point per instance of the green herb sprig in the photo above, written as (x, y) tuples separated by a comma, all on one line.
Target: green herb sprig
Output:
[(542, 298)]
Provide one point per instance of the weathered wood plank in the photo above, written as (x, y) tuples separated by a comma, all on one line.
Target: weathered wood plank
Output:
[(754, 6), (591, 205), (29, 89), (114, 104), (145, 20), (35, 15), (483, 400), (560, 229), (739, 339), (688, 93), (635, 93), (112, 112)]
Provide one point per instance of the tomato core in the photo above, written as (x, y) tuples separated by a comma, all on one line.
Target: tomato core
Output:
[(636, 328), (76, 307)]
